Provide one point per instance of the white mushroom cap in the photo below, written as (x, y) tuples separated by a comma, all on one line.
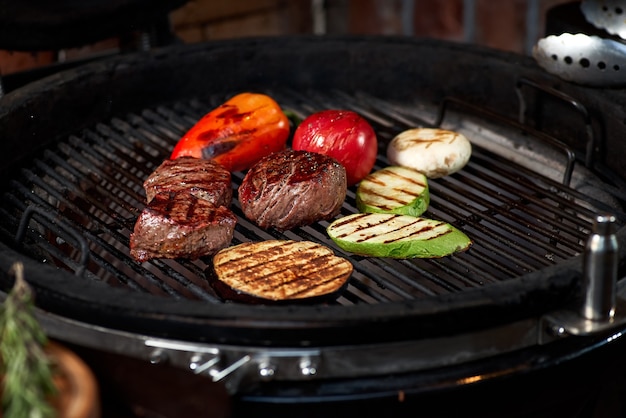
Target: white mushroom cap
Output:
[(433, 152)]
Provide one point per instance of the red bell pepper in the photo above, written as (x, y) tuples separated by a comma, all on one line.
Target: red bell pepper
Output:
[(238, 133)]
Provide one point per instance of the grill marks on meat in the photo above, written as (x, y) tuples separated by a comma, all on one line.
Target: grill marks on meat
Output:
[(187, 214), (291, 188), (179, 224), (203, 178), (187, 217)]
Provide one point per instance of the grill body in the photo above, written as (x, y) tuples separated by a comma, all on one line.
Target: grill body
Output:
[(546, 161)]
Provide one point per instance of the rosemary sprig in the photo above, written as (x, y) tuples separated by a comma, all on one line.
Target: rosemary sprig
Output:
[(27, 381)]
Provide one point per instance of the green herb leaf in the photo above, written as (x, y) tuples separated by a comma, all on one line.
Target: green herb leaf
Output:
[(27, 375)]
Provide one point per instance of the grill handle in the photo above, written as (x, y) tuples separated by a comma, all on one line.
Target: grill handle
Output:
[(58, 228), (581, 109), (600, 270), (487, 113)]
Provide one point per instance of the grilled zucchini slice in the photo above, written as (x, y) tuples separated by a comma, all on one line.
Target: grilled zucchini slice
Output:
[(393, 189), (275, 271), (396, 236)]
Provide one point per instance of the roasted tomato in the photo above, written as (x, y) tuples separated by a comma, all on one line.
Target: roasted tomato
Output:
[(238, 133), (342, 134)]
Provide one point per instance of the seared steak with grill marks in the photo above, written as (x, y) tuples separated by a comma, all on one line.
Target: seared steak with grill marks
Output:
[(181, 225), (204, 179), (293, 188)]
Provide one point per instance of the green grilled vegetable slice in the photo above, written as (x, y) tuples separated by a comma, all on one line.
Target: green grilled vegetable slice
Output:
[(393, 189), (396, 236)]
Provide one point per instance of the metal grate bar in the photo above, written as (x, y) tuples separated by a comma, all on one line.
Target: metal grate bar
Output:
[(506, 217), (73, 212), (540, 186), (95, 239), (519, 220)]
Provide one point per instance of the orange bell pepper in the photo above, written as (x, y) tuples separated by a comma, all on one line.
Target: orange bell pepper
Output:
[(238, 133)]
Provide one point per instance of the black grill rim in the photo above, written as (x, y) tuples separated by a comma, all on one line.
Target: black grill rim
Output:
[(58, 292), (92, 302)]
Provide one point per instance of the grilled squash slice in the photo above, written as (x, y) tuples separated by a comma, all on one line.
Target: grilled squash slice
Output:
[(279, 271), (393, 189), (396, 236)]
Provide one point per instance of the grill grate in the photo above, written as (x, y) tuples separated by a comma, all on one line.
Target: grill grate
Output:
[(91, 182)]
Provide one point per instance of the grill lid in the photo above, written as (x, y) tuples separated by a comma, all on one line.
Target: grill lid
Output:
[(78, 195)]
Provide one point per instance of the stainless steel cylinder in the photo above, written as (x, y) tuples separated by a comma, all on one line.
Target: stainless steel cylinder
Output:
[(600, 270)]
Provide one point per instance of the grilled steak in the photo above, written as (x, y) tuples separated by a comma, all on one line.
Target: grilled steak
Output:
[(181, 225), (279, 270), (205, 179), (293, 188)]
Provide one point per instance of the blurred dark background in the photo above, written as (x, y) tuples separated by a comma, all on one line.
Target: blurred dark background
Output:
[(513, 25)]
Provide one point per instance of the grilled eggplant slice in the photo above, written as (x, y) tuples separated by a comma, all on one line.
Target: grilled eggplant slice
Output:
[(279, 271), (393, 189), (396, 236)]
